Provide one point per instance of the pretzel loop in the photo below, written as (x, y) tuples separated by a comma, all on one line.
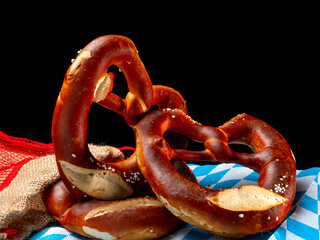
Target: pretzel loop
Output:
[(235, 212), (87, 81)]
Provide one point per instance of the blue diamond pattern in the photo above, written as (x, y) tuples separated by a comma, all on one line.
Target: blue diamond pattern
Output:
[(307, 201)]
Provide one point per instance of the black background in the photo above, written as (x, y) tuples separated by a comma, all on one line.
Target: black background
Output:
[(223, 62)]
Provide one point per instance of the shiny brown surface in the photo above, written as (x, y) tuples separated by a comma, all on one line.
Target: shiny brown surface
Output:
[(161, 135), (138, 218), (272, 158), (84, 80)]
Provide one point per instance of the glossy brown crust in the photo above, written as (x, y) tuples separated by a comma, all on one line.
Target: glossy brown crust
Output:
[(69, 126), (141, 218), (84, 78), (159, 139), (272, 158)]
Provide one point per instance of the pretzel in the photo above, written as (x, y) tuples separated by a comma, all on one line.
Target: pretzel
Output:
[(234, 212), (85, 82), (137, 218)]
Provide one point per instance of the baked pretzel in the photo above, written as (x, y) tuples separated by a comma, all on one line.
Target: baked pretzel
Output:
[(85, 82), (137, 218), (234, 212)]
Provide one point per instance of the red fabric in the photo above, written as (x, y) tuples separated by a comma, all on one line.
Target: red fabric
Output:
[(8, 232), (15, 152), (126, 148)]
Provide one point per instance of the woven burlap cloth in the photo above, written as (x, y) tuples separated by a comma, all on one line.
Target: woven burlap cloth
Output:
[(26, 168)]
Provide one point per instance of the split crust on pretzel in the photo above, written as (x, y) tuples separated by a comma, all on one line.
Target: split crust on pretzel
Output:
[(235, 212), (135, 218), (88, 81), (138, 218)]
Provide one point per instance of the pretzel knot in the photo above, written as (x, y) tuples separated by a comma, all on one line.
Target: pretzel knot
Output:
[(234, 212)]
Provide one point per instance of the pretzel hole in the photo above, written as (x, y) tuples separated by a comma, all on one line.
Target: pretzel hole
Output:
[(127, 151), (120, 87), (176, 140), (240, 148), (106, 127), (195, 145), (152, 108)]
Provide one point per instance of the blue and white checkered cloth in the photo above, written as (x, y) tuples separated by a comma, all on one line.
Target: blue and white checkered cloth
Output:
[(303, 221)]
